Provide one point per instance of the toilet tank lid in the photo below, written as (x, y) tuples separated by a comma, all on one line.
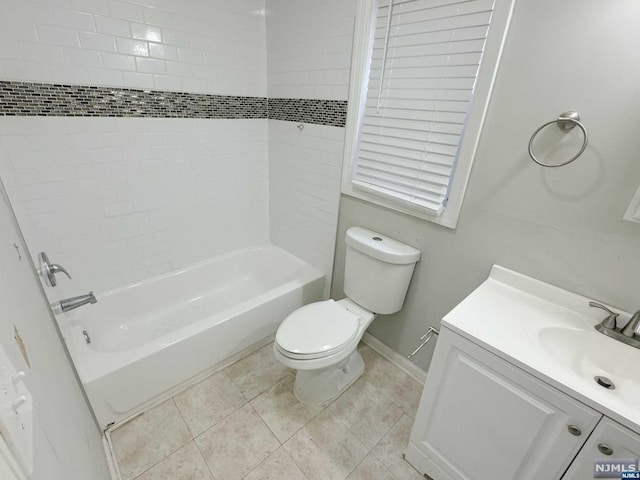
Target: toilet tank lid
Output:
[(381, 247)]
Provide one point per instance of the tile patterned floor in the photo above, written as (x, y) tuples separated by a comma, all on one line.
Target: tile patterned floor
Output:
[(245, 423)]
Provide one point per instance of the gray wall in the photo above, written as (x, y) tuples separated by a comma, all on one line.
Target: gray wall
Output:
[(563, 226)]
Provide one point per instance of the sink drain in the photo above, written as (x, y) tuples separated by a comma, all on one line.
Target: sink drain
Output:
[(604, 382)]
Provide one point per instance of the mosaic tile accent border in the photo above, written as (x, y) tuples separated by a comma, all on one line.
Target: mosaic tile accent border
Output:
[(43, 99), (305, 110)]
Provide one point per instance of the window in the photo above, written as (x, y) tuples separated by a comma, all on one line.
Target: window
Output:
[(422, 73)]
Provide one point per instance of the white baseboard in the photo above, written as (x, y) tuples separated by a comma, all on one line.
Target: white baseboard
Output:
[(394, 357)]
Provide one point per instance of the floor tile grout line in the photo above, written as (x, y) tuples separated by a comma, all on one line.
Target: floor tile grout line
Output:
[(162, 460), (402, 456), (360, 463), (357, 465), (298, 431), (339, 421), (145, 471), (385, 467), (262, 391), (243, 358), (270, 429), (171, 452), (264, 421), (378, 442), (225, 418), (354, 434), (204, 459), (293, 459), (265, 424), (173, 400), (263, 461), (382, 392), (181, 446), (220, 421), (402, 413), (216, 423)]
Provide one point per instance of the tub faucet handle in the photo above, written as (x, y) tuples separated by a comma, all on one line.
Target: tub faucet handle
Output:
[(48, 270)]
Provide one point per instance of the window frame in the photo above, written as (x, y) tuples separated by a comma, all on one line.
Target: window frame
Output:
[(360, 64)]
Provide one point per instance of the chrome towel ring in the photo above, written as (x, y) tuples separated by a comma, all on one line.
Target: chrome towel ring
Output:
[(566, 121)]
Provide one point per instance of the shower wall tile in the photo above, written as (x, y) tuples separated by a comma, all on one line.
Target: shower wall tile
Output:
[(186, 45), (309, 48), (309, 57), (305, 168), (116, 200)]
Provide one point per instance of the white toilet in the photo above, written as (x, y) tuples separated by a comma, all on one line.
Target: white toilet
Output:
[(319, 340)]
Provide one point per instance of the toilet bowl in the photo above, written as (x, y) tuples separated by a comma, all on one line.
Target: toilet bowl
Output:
[(320, 340)]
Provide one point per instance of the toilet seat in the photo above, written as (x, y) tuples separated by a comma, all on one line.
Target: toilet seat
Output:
[(317, 330)]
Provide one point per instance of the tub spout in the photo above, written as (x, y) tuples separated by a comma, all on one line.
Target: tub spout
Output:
[(73, 302)]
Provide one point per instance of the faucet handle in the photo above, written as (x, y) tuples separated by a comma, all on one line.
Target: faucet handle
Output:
[(610, 321), (630, 329), (48, 270), (55, 268)]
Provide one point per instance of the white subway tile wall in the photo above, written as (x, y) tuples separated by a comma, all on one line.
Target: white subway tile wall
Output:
[(309, 48), (304, 190), (116, 200), (309, 56), (200, 46)]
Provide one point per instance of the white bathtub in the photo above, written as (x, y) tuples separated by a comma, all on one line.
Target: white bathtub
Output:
[(149, 337)]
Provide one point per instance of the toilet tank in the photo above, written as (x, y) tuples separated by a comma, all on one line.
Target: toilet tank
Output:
[(377, 270)]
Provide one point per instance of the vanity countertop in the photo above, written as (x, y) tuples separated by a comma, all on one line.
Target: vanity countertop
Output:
[(549, 332)]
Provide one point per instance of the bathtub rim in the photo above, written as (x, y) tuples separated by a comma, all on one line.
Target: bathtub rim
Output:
[(76, 315)]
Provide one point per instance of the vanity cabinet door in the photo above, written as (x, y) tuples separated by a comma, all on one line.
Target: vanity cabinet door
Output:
[(481, 418), (609, 440)]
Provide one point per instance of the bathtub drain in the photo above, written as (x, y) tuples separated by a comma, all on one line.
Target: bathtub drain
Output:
[(87, 338)]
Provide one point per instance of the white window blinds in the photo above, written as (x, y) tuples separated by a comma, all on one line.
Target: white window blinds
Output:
[(424, 63)]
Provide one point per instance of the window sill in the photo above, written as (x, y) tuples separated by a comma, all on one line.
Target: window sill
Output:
[(446, 219)]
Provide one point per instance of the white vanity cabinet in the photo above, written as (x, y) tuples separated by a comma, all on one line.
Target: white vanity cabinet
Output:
[(481, 418), (609, 440)]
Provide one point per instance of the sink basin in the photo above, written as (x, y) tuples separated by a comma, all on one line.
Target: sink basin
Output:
[(589, 353)]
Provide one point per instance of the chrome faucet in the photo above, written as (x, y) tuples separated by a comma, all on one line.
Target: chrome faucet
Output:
[(631, 328), (629, 334), (73, 302)]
